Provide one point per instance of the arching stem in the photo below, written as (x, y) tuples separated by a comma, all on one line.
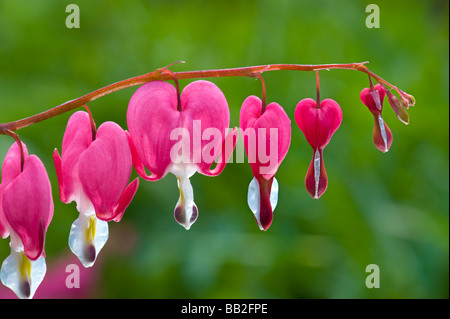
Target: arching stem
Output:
[(91, 119), (19, 142), (162, 75), (317, 90)]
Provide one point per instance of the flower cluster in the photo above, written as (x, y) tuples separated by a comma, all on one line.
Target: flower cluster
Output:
[(168, 132)]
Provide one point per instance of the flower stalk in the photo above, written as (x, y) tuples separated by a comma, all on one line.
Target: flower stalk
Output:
[(162, 75)]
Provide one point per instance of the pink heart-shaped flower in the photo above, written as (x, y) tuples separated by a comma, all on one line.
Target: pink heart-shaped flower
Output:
[(267, 137), (318, 124), (180, 135), (155, 127)]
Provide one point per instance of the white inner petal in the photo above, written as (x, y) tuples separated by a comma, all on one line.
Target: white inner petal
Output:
[(383, 132), (80, 241), (376, 97), (183, 171), (254, 198), (316, 172), (186, 200), (21, 275)]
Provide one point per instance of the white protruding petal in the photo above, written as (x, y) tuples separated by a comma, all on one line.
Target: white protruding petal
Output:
[(274, 194), (186, 211), (254, 198), (84, 247), (316, 172), (383, 132), (376, 97), (21, 275)]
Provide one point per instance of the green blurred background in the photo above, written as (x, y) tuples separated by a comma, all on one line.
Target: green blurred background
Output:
[(386, 209)]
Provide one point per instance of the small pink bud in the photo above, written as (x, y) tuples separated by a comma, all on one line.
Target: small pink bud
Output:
[(407, 99), (382, 135), (398, 108)]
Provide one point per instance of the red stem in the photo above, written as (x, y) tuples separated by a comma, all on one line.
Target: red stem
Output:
[(163, 75), (263, 94), (91, 119), (317, 90), (177, 86), (19, 142)]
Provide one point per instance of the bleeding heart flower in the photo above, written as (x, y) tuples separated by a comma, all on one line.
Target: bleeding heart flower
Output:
[(94, 174), (267, 132), (373, 99), (26, 209), (181, 135), (318, 124)]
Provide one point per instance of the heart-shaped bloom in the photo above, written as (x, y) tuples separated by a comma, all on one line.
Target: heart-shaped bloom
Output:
[(26, 209), (318, 123), (373, 99), (267, 136), (94, 174), (181, 135)]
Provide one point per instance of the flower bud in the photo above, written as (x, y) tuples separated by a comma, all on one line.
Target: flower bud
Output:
[(398, 108)]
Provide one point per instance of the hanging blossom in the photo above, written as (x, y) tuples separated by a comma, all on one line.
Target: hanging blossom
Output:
[(26, 210), (180, 134), (318, 121), (267, 136), (373, 98), (94, 170)]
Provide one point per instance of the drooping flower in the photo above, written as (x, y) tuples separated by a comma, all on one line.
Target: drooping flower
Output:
[(180, 134), (267, 136), (373, 99), (318, 123), (95, 174), (26, 210)]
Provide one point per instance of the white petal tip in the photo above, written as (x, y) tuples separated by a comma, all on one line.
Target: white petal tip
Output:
[(87, 237), (21, 275)]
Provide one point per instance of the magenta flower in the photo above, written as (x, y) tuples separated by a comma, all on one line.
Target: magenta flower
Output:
[(26, 209), (267, 137), (181, 135), (373, 99), (94, 174), (318, 123)]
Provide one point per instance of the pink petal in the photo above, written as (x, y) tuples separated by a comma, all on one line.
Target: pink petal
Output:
[(28, 206), (105, 169), (228, 146), (367, 97), (151, 117), (153, 121), (58, 167), (204, 110), (77, 138), (318, 124), (10, 170), (126, 199), (256, 132), (137, 162), (12, 164), (4, 226)]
